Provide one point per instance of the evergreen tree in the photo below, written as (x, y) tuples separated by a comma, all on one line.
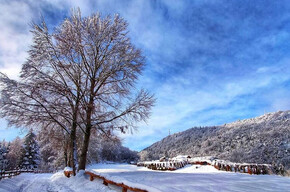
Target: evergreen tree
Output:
[(3, 154), (30, 154)]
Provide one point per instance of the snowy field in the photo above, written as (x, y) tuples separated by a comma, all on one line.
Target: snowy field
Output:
[(187, 179), (193, 178)]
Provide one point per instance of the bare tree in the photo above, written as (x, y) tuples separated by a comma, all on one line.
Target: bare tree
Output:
[(15, 154), (83, 76), (111, 64), (48, 91)]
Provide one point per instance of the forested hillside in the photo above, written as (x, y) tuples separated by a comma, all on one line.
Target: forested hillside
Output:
[(264, 139)]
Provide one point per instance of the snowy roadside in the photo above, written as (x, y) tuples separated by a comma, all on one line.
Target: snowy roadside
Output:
[(29, 182)]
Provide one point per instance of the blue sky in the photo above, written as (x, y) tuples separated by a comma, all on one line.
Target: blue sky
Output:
[(207, 62)]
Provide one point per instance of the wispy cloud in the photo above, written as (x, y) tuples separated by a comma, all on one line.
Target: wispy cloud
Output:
[(14, 36), (208, 62)]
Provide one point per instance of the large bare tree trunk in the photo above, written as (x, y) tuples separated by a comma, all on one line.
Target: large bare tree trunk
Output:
[(84, 151), (85, 147)]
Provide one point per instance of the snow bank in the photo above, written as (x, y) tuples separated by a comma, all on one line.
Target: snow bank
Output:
[(79, 183), (29, 182), (68, 169), (105, 170)]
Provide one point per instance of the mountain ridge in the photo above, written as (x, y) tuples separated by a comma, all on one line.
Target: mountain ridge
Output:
[(263, 139)]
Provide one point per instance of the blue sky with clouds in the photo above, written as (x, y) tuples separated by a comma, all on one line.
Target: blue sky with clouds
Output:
[(208, 62)]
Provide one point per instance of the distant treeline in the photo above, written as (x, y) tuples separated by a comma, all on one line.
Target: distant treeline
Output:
[(45, 151), (265, 139)]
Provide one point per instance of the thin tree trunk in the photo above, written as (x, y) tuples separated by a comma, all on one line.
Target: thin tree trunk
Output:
[(72, 149), (65, 158), (65, 148)]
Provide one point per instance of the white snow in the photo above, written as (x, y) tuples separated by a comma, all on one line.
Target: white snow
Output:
[(192, 178), (198, 169), (68, 169), (30, 182), (201, 178), (266, 118)]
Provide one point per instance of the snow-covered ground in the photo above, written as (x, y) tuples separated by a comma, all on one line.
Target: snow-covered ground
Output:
[(193, 178), (30, 182), (188, 179)]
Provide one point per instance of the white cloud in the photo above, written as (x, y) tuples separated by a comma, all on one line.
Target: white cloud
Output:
[(280, 104), (178, 100), (14, 37)]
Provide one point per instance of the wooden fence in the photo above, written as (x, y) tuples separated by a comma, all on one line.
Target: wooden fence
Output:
[(12, 173), (106, 181), (249, 168), (9, 174), (256, 169), (163, 166)]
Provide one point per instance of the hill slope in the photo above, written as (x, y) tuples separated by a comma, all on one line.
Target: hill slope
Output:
[(264, 139)]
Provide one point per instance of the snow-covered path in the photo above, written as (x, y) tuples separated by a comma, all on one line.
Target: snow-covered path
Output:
[(25, 182), (29, 182)]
